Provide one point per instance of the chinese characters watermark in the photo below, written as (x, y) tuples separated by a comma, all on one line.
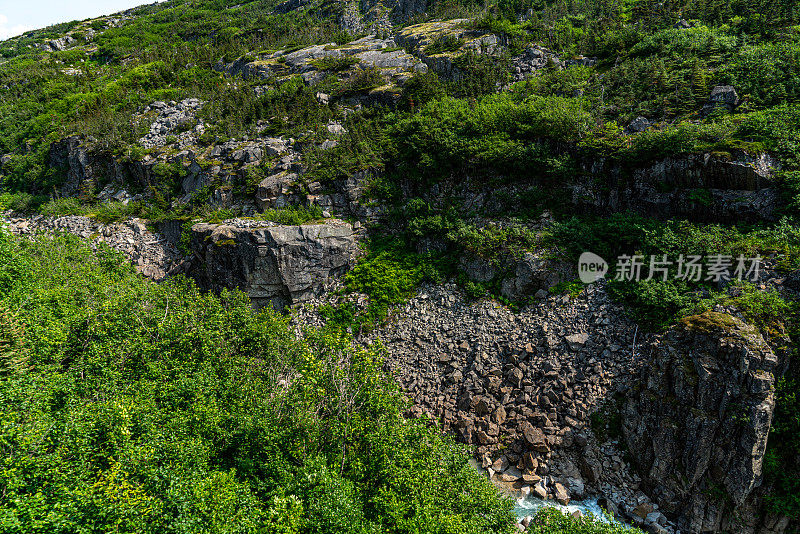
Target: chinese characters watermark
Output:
[(690, 268)]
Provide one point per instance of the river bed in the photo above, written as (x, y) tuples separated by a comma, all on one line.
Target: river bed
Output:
[(529, 507)]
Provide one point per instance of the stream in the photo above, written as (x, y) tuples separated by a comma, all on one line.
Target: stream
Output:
[(529, 507)]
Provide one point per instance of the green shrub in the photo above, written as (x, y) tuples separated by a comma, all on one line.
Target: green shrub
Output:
[(110, 212), (19, 202), (361, 81), (291, 215), (336, 63), (573, 288), (552, 521), (478, 74), (63, 206), (421, 89), (443, 44), (495, 134), (388, 274), (156, 407), (501, 244)]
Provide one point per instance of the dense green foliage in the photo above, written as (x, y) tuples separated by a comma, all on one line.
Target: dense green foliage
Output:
[(552, 521), (660, 302), (136, 407), (781, 460), (388, 273), (646, 67), (193, 453)]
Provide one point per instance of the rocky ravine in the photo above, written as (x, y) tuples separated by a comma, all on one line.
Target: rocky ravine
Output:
[(566, 398), (521, 387), (563, 399)]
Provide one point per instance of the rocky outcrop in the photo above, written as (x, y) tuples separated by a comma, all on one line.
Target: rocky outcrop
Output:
[(174, 119), (533, 275), (722, 97), (86, 167), (530, 62), (697, 426), (520, 279), (275, 265), (152, 254), (535, 58), (253, 174), (72, 157), (395, 64), (704, 187), (419, 38), (57, 45), (701, 187)]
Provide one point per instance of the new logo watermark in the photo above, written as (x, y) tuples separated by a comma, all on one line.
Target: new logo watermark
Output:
[(591, 267), (691, 268)]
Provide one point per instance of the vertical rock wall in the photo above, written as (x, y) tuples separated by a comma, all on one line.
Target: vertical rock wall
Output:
[(273, 264), (697, 427)]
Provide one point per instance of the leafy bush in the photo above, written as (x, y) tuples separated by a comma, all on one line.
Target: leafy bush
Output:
[(443, 44), (19, 202), (388, 274), (63, 206), (478, 74), (658, 303), (451, 135), (157, 408), (421, 89), (335, 63), (552, 521), (292, 215), (110, 212), (362, 80)]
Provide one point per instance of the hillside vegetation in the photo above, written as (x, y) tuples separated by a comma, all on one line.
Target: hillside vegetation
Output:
[(135, 407)]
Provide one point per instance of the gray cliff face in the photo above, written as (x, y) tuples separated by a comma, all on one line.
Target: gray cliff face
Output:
[(698, 425), (698, 187), (81, 167), (703, 187), (277, 265)]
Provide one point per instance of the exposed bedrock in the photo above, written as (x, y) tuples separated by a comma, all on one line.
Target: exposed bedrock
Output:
[(273, 264), (703, 187), (698, 423), (699, 187)]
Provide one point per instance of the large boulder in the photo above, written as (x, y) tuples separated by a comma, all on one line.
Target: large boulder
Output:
[(275, 265), (532, 273), (698, 423), (722, 96)]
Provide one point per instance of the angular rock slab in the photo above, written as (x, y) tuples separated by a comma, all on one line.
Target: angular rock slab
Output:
[(275, 265)]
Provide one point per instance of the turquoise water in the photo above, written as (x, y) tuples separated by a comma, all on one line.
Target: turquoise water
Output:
[(530, 506)]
